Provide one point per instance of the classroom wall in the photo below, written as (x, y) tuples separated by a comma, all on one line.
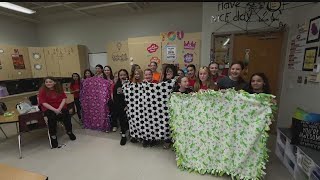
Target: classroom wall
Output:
[(17, 32), (293, 94), (95, 33)]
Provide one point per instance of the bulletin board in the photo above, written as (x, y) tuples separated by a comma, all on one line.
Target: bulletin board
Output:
[(118, 55), (144, 50), (186, 47)]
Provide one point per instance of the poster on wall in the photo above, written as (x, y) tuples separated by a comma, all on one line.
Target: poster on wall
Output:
[(310, 57), (171, 53), (314, 27), (17, 59), (297, 48), (306, 133)]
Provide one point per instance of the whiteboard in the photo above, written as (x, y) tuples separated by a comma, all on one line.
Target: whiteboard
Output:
[(97, 58)]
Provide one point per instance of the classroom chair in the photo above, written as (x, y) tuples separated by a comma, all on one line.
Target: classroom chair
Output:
[(30, 122)]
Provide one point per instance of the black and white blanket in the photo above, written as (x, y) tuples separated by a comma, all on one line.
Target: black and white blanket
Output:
[(147, 112)]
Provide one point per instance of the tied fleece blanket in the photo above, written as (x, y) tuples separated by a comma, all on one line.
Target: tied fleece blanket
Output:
[(94, 95), (147, 112), (217, 133)]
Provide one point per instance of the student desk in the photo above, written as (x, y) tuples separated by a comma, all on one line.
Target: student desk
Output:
[(14, 118), (11, 173)]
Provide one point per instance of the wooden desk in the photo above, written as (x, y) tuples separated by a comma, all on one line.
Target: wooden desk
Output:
[(15, 119), (11, 173)]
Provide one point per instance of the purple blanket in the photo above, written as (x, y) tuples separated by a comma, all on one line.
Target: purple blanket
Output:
[(94, 95)]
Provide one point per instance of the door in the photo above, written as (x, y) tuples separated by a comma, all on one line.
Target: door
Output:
[(264, 55)]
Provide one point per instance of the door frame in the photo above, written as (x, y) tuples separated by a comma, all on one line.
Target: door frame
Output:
[(285, 35)]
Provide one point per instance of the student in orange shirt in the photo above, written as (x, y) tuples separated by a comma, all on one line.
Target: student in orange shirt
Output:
[(156, 75)]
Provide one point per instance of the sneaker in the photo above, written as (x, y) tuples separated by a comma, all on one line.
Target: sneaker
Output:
[(166, 145), (133, 140), (145, 143), (54, 141), (72, 136), (114, 129), (152, 143), (123, 140)]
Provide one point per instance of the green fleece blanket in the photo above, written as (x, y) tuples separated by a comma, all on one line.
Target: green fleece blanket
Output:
[(217, 133)]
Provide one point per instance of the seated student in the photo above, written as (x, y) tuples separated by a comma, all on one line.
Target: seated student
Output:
[(258, 84), (234, 80), (156, 75), (204, 80), (191, 74), (148, 77), (53, 103)]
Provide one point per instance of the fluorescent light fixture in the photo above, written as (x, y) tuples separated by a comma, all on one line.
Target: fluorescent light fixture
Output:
[(225, 43), (16, 7)]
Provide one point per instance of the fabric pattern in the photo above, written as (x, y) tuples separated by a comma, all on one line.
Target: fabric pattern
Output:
[(94, 95), (147, 112), (217, 133)]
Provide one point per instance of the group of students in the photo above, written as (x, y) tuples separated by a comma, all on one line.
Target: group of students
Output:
[(52, 97)]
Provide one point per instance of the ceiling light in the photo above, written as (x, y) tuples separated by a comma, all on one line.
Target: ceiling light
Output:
[(16, 7), (225, 43)]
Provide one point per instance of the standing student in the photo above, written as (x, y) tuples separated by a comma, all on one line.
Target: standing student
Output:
[(258, 84), (183, 87), (120, 105), (53, 103), (114, 123), (148, 77), (138, 76), (99, 71), (115, 77), (108, 72), (170, 72), (156, 75), (133, 68), (214, 70), (234, 80), (181, 73), (75, 90), (191, 74), (204, 80), (87, 74)]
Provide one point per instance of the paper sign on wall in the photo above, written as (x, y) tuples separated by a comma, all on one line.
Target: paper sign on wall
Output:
[(171, 53), (152, 48), (17, 59)]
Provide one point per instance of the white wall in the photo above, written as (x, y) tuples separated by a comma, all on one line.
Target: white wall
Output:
[(292, 94), (95, 33), (17, 32)]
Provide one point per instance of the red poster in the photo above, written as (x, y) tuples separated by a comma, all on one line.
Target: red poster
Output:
[(18, 62)]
